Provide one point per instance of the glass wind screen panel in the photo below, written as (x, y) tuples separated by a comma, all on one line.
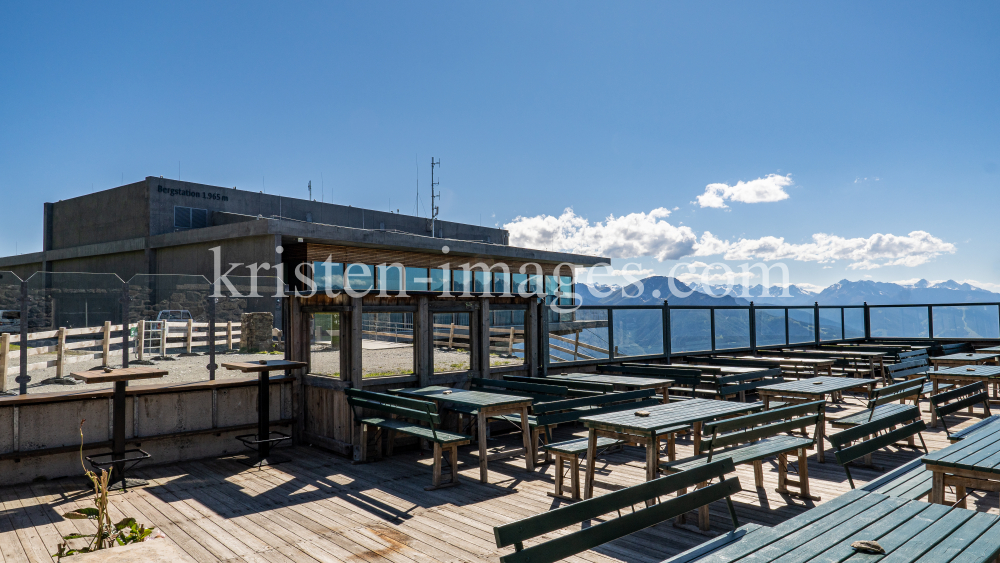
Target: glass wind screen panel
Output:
[(690, 330), (520, 282), (440, 280), (732, 328), (452, 351), (461, 281), (902, 322), (507, 344), (551, 285), (588, 340), (968, 321), (482, 282), (416, 279), (770, 326), (801, 325), (10, 305), (830, 324), (854, 323), (324, 344), (359, 276), (395, 358), (638, 332), (501, 283), (328, 275)]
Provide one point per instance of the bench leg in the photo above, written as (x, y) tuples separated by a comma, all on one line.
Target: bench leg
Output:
[(559, 475), (436, 479), (803, 481), (483, 474), (436, 476), (364, 443), (390, 440), (703, 517), (960, 494), (782, 474), (453, 458), (758, 473)]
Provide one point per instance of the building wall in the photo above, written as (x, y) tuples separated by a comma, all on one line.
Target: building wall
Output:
[(125, 264), (198, 259), (109, 215), (24, 271), (165, 194)]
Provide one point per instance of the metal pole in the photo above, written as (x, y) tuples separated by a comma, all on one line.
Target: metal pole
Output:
[(868, 322), (23, 378), (787, 338), (666, 330), (930, 321), (753, 330), (611, 333), (543, 320), (126, 333), (711, 322), (212, 366), (816, 322)]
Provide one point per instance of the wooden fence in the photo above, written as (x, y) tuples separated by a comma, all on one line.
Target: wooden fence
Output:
[(174, 335), (446, 336), (576, 346)]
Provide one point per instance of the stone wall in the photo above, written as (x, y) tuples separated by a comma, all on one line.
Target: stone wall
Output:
[(256, 332)]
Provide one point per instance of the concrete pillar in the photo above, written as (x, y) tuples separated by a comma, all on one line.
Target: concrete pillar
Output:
[(423, 341), (484, 340)]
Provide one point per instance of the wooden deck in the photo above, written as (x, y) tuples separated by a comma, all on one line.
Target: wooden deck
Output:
[(321, 507)]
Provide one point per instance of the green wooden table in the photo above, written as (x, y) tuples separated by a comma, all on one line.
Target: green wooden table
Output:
[(647, 431), (990, 350), (816, 365), (813, 389), (963, 375), (908, 530), (485, 405), (973, 462), (963, 359), (621, 382), (875, 360)]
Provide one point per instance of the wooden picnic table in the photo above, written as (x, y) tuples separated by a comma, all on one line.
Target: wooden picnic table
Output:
[(621, 382), (118, 458), (962, 375), (485, 405), (990, 350), (813, 389), (973, 462), (909, 530), (871, 358), (816, 364), (721, 370), (963, 359), (647, 431)]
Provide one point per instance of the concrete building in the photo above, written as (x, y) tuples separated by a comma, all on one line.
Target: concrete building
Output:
[(162, 226)]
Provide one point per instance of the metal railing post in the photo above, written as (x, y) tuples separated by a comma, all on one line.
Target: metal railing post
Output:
[(666, 330), (126, 333), (930, 321), (787, 338), (753, 329), (611, 333), (23, 378), (816, 322), (868, 322), (211, 338), (711, 326)]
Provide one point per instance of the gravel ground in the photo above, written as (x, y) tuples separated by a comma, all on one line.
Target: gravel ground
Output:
[(381, 361)]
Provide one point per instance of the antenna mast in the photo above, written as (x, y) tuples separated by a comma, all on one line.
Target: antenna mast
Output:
[(434, 208), (310, 190)]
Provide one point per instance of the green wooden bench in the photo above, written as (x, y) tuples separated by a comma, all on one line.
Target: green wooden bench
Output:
[(574, 387), (756, 437), (966, 396), (956, 348), (650, 514), (685, 380), (407, 410), (884, 403), (727, 386), (910, 481), (911, 368)]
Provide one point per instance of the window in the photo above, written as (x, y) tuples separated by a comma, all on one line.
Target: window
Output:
[(328, 275), (190, 218)]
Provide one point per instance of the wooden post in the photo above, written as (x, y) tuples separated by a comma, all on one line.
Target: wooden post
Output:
[(140, 344), (451, 336), (106, 344), (423, 342), (164, 329), (351, 364), (510, 342), (190, 335), (229, 335), (60, 351), (531, 339), (576, 345), (484, 330), (4, 360)]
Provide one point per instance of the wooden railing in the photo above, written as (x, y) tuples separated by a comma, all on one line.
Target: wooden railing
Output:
[(575, 351), (184, 334)]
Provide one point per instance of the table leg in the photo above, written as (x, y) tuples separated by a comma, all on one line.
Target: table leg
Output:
[(652, 461), (934, 381), (937, 488), (264, 414), (666, 396), (529, 455), (588, 482), (481, 423), (820, 438), (118, 431), (696, 437)]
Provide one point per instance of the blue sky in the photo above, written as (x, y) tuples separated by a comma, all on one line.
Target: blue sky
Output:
[(885, 116)]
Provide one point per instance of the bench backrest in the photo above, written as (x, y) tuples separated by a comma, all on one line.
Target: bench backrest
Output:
[(742, 362), (875, 435), (733, 384), (956, 348), (963, 397), (902, 370), (909, 389), (753, 427), (688, 377), (912, 355), (568, 383), (569, 410), (516, 533), (536, 390), (414, 409)]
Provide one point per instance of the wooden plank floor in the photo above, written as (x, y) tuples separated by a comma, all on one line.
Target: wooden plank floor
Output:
[(320, 507)]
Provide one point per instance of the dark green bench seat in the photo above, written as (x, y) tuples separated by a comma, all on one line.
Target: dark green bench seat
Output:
[(909, 482), (886, 401), (755, 437), (990, 422), (656, 510), (410, 413), (862, 440)]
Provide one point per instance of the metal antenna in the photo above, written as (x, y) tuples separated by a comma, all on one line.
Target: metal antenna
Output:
[(310, 190), (434, 208)]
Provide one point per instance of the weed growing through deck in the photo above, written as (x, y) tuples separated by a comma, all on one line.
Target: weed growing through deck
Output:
[(107, 535)]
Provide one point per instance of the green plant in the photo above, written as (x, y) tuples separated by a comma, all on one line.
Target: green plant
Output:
[(107, 535)]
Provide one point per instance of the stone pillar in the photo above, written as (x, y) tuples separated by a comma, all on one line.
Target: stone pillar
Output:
[(256, 332)]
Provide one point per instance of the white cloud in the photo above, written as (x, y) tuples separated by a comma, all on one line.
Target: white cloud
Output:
[(766, 189), (604, 272), (707, 277), (810, 287), (628, 236), (876, 251), (650, 234)]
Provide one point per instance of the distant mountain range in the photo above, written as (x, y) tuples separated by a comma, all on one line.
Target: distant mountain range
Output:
[(844, 292)]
